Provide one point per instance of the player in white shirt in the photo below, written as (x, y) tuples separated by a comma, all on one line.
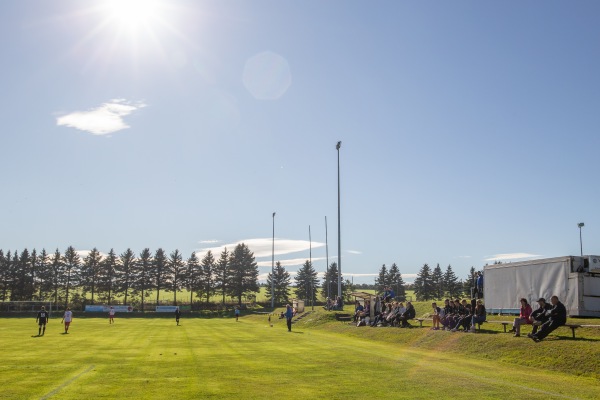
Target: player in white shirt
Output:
[(111, 315), (67, 318)]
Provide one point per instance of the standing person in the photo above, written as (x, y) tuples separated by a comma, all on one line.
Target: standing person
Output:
[(42, 320), (237, 313), (479, 285), (177, 315), (289, 313), (67, 317), (558, 317), (111, 315), (523, 317)]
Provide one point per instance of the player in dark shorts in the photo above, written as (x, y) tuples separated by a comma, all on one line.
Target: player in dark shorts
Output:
[(42, 320), (177, 315)]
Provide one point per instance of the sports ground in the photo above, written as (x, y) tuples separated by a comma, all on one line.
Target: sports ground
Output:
[(153, 358)]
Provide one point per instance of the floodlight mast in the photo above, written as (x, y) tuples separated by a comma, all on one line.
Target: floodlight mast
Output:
[(339, 263), (580, 225), (273, 267)]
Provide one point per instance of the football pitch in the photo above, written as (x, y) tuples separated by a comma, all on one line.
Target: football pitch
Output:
[(153, 358)]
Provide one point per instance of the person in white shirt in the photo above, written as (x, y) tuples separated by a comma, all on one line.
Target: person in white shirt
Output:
[(67, 318), (111, 315)]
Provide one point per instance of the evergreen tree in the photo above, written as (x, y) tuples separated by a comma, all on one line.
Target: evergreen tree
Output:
[(56, 275), (176, 268), (470, 282), (4, 275), (159, 272), (332, 278), (108, 272), (143, 280), (243, 272), (193, 275), (396, 282), (279, 280), (90, 273), (126, 269), (452, 287), (222, 277), (33, 275), (43, 275), (72, 264), (382, 280), (437, 281), (423, 285), (207, 281), (307, 282)]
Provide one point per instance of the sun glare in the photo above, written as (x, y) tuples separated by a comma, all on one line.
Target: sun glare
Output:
[(132, 13)]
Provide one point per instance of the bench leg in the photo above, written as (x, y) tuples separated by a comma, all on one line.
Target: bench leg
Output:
[(573, 329), (420, 324), (504, 325)]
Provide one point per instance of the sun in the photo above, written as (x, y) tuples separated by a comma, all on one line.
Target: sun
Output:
[(132, 14)]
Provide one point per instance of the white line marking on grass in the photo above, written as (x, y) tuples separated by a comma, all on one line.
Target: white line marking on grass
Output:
[(67, 383)]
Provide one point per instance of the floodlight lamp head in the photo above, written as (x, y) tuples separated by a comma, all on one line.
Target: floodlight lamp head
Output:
[(274, 215), (581, 224), (338, 145)]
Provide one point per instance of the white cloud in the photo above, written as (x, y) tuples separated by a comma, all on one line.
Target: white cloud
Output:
[(354, 252), (103, 120), (263, 247), (510, 256), (289, 262), (209, 241)]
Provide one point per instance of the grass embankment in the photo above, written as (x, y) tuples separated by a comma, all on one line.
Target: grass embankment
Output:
[(321, 358)]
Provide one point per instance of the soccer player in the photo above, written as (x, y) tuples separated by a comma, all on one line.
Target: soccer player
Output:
[(111, 315), (67, 317), (177, 315), (237, 313), (42, 319)]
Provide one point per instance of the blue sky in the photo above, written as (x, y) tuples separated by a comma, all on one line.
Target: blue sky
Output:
[(469, 129)]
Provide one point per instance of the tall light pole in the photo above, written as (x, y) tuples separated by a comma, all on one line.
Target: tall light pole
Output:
[(337, 147), (273, 267), (312, 284), (580, 225), (326, 260)]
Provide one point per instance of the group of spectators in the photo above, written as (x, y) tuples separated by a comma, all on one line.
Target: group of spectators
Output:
[(545, 319), (390, 313), (458, 314)]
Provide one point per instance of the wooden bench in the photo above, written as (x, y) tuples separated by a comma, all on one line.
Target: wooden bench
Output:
[(343, 317), (421, 321), (504, 323)]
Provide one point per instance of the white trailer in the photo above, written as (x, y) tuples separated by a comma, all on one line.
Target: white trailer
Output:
[(575, 280)]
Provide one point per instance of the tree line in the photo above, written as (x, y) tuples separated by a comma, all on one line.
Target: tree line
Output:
[(66, 278)]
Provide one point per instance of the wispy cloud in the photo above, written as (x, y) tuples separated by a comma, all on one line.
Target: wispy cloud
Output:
[(510, 256), (209, 241), (263, 247), (354, 252), (103, 120)]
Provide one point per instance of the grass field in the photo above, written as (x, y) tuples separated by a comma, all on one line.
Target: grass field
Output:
[(152, 358)]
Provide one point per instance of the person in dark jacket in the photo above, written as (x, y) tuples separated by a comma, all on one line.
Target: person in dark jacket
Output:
[(558, 317), (407, 315), (538, 316)]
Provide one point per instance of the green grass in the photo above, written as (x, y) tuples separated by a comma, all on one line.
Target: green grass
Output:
[(142, 358)]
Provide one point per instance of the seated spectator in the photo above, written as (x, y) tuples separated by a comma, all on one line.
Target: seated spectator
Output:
[(448, 319), (479, 315), (464, 311), (397, 310), (558, 317), (437, 315), (358, 308), (407, 315), (539, 316), (523, 318)]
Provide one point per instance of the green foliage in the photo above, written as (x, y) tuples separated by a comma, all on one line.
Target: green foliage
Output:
[(243, 273), (279, 280), (307, 282)]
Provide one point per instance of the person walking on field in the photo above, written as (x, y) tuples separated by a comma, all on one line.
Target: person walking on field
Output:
[(67, 318), (289, 313), (111, 315), (237, 313), (42, 320), (177, 315)]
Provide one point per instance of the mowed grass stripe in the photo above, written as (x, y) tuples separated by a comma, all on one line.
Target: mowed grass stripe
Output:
[(219, 358)]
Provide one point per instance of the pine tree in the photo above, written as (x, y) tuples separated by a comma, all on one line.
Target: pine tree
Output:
[(56, 275), (125, 273), (108, 268), (90, 273), (396, 282), (72, 263), (332, 279), (451, 283), (159, 272), (437, 281), (222, 277), (144, 278), (279, 279), (176, 268), (423, 285), (382, 280), (307, 282), (193, 275), (243, 271), (43, 275), (206, 284)]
